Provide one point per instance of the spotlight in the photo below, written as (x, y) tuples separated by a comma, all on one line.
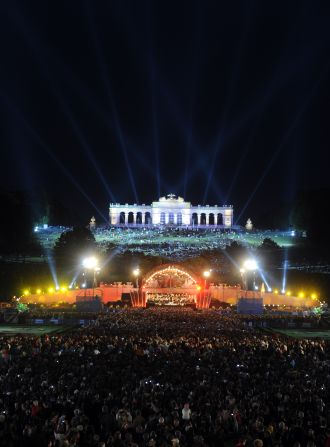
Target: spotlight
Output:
[(90, 262), (250, 264)]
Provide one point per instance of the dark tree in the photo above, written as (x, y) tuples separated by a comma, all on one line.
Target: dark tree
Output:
[(73, 245), (236, 250), (269, 244)]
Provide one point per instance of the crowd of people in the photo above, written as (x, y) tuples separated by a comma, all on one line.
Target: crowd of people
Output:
[(162, 377), (174, 242)]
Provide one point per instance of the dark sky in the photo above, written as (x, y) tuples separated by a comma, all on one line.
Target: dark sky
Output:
[(219, 102)]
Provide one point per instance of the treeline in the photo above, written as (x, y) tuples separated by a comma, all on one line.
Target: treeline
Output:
[(307, 212), (20, 211)]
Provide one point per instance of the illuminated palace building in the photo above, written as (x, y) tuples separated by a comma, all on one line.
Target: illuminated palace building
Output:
[(171, 210)]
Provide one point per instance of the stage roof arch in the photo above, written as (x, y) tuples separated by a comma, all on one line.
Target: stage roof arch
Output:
[(166, 269)]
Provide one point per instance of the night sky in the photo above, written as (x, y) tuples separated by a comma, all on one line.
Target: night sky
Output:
[(124, 101)]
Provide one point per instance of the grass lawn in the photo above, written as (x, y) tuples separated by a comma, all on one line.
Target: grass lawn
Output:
[(301, 333), (14, 329)]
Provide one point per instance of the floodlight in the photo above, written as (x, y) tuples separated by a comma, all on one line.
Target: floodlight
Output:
[(90, 262), (250, 264)]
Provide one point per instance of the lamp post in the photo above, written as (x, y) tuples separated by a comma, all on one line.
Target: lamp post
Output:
[(206, 275), (248, 274), (136, 273), (91, 264)]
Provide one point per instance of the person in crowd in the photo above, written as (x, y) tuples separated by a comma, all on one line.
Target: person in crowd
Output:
[(164, 377)]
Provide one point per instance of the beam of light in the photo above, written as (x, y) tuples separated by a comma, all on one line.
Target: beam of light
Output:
[(194, 71), (113, 107), (285, 269), (44, 146), (75, 83), (284, 140), (52, 267), (201, 158), (29, 35), (75, 277), (263, 98), (155, 125), (86, 147), (144, 162), (109, 258), (263, 277), (32, 42), (221, 139), (232, 260), (242, 158)]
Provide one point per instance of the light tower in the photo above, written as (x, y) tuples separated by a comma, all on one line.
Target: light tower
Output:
[(248, 273)]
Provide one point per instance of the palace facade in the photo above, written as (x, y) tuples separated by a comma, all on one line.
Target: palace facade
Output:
[(171, 210)]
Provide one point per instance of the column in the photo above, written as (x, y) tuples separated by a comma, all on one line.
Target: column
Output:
[(134, 217), (199, 216), (207, 216)]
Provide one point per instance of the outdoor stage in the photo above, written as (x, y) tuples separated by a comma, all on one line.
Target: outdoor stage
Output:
[(166, 280)]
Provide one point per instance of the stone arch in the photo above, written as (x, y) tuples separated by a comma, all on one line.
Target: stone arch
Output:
[(122, 218), (171, 218), (147, 218), (139, 218), (130, 217), (219, 219), (203, 219), (211, 219), (194, 219)]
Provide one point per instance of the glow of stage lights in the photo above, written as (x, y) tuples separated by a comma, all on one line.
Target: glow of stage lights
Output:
[(64, 289), (38, 291), (136, 272), (26, 292), (301, 295), (171, 269), (207, 274), (288, 293), (198, 288), (51, 289), (90, 263), (313, 296), (250, 264)]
